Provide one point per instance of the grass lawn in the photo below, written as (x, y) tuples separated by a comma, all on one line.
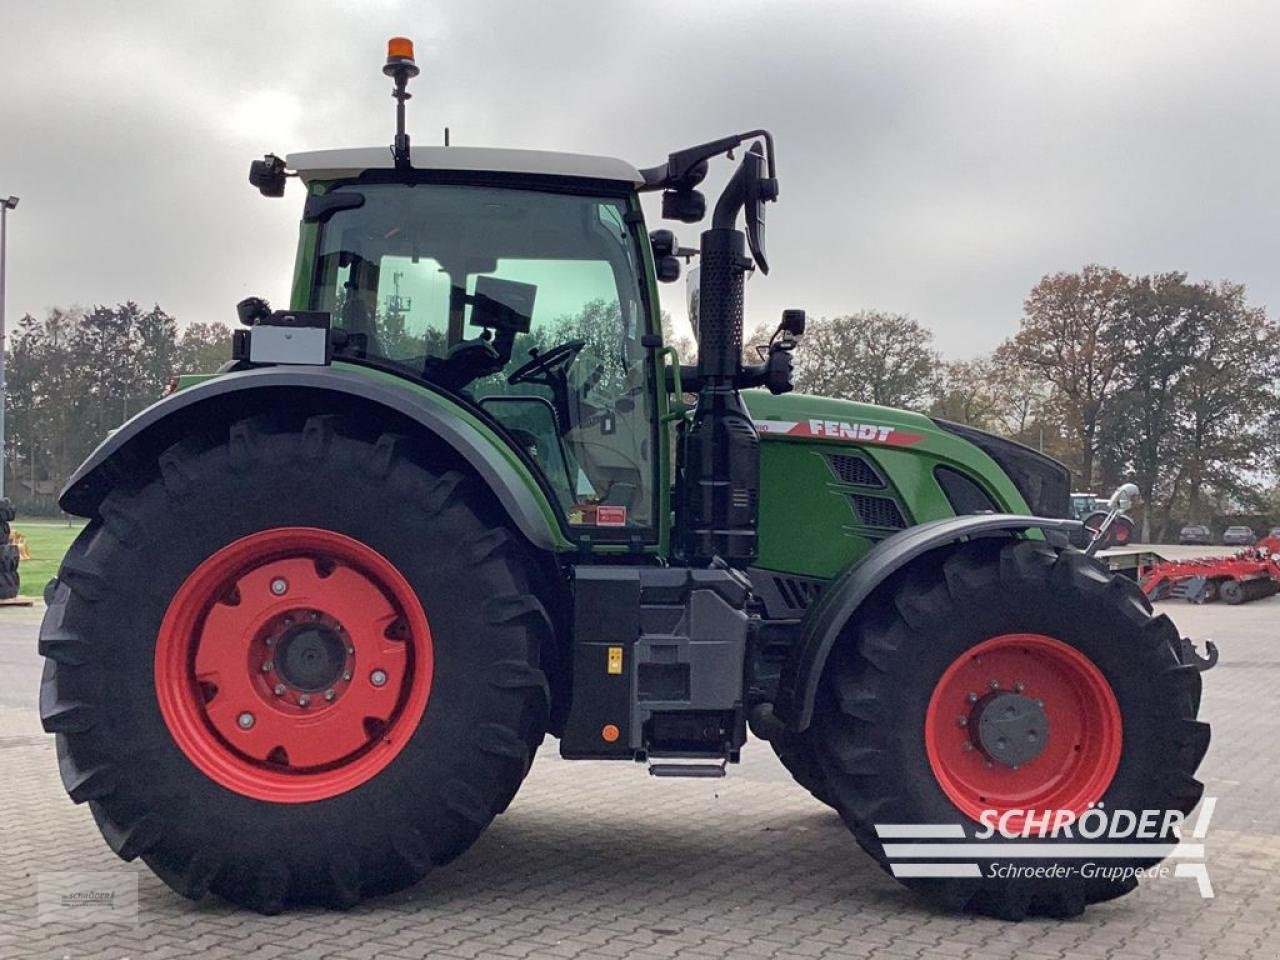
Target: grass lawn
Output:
[(47, 539)]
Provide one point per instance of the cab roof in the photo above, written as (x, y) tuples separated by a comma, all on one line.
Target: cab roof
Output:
[(337, 164)]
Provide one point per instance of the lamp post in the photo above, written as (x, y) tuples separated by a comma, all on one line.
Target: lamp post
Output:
[(6, 205)]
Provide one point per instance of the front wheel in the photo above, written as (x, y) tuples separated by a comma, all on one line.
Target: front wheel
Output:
[(1011, 684), (294, 665)]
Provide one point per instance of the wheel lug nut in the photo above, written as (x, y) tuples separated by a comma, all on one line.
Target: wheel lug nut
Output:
[(350, 650), (328, 694), (962, 721), (378, 678), (271, 641), (313, 615), (268, 667), (346, 674), (245, 720), (278, 689), (279, 586), (304, 700), (972, 697), (968, 747), (993, 684), (1019, 686)]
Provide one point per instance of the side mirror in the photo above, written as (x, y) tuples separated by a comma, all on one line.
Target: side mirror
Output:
[(759, 190), (668, 269), (267, 175)]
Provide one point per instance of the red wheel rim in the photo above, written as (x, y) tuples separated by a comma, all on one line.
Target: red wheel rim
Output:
[(1081, 746), (293, 664)]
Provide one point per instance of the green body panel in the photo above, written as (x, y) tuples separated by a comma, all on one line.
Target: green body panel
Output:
[(808, 526)]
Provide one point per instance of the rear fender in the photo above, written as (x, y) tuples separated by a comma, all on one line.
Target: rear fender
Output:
[(841, 600), (139, 441)]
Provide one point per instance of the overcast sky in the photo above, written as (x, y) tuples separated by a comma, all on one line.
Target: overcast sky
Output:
[(935, 158)]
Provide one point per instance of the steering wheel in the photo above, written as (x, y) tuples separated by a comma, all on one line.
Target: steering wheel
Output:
[(543, 363)]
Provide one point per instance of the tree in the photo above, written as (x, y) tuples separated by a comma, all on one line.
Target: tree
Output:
[(202, 348), (1232, 403), (1156, 347), (1070, 335), (77, 374), (870, 356), (967, 393)]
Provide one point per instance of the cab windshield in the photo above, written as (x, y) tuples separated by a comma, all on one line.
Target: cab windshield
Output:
[(526, 303)]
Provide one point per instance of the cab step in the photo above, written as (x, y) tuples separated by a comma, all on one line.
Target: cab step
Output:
[(686, 769)]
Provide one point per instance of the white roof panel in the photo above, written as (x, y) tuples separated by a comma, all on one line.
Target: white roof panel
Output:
[(333, 164)]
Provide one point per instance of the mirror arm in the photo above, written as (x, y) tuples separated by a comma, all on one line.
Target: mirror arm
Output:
[(680, 171)]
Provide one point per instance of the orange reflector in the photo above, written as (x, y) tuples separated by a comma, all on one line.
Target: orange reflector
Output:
[(399, 48), (609, 733)]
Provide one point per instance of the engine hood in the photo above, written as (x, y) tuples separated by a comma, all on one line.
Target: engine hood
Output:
[(1022, 478), (824, 418)]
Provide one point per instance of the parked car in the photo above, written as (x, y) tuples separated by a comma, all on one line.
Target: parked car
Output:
[(1239, 536), (1196, 533)]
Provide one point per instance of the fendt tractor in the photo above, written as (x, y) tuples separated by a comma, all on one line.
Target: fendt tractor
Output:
[(461, 494)]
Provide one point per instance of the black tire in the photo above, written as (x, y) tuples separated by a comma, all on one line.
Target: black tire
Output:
[(797, 754), (6, 531), (1231, 592), (7, 512), (1093, 522), (463, 763), (10, 584), (1121, 533), (870, 723)]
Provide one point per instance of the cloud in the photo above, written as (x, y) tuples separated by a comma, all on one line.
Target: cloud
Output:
[(936, 158)]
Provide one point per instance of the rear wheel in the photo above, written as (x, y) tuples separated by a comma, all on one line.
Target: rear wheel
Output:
[(327, 649), (1004, 678)]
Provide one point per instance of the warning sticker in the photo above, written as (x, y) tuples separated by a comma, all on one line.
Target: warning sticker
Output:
[(611, 516)]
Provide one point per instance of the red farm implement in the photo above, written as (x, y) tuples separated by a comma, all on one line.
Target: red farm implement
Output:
[(1249, 574)]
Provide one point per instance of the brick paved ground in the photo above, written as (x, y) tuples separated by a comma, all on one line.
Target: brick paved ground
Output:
[(598, 860)]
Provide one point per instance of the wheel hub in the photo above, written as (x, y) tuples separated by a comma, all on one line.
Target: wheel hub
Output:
[(1022, 721), (1010, 728), (311, 657), (293, 664)]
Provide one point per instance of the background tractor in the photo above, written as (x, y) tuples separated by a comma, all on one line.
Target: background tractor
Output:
[(330, 600), (1091, 510)]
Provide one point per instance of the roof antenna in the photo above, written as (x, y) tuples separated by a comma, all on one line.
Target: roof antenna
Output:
[(401, 68), (446, 136)]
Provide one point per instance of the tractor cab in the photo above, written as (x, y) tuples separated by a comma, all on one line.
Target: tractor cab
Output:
[(515, 280)]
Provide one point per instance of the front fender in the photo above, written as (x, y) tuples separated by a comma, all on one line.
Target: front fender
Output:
[(165, 422), (842, 598)]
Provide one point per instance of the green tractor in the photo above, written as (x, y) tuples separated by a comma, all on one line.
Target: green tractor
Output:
[(461, 494)]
